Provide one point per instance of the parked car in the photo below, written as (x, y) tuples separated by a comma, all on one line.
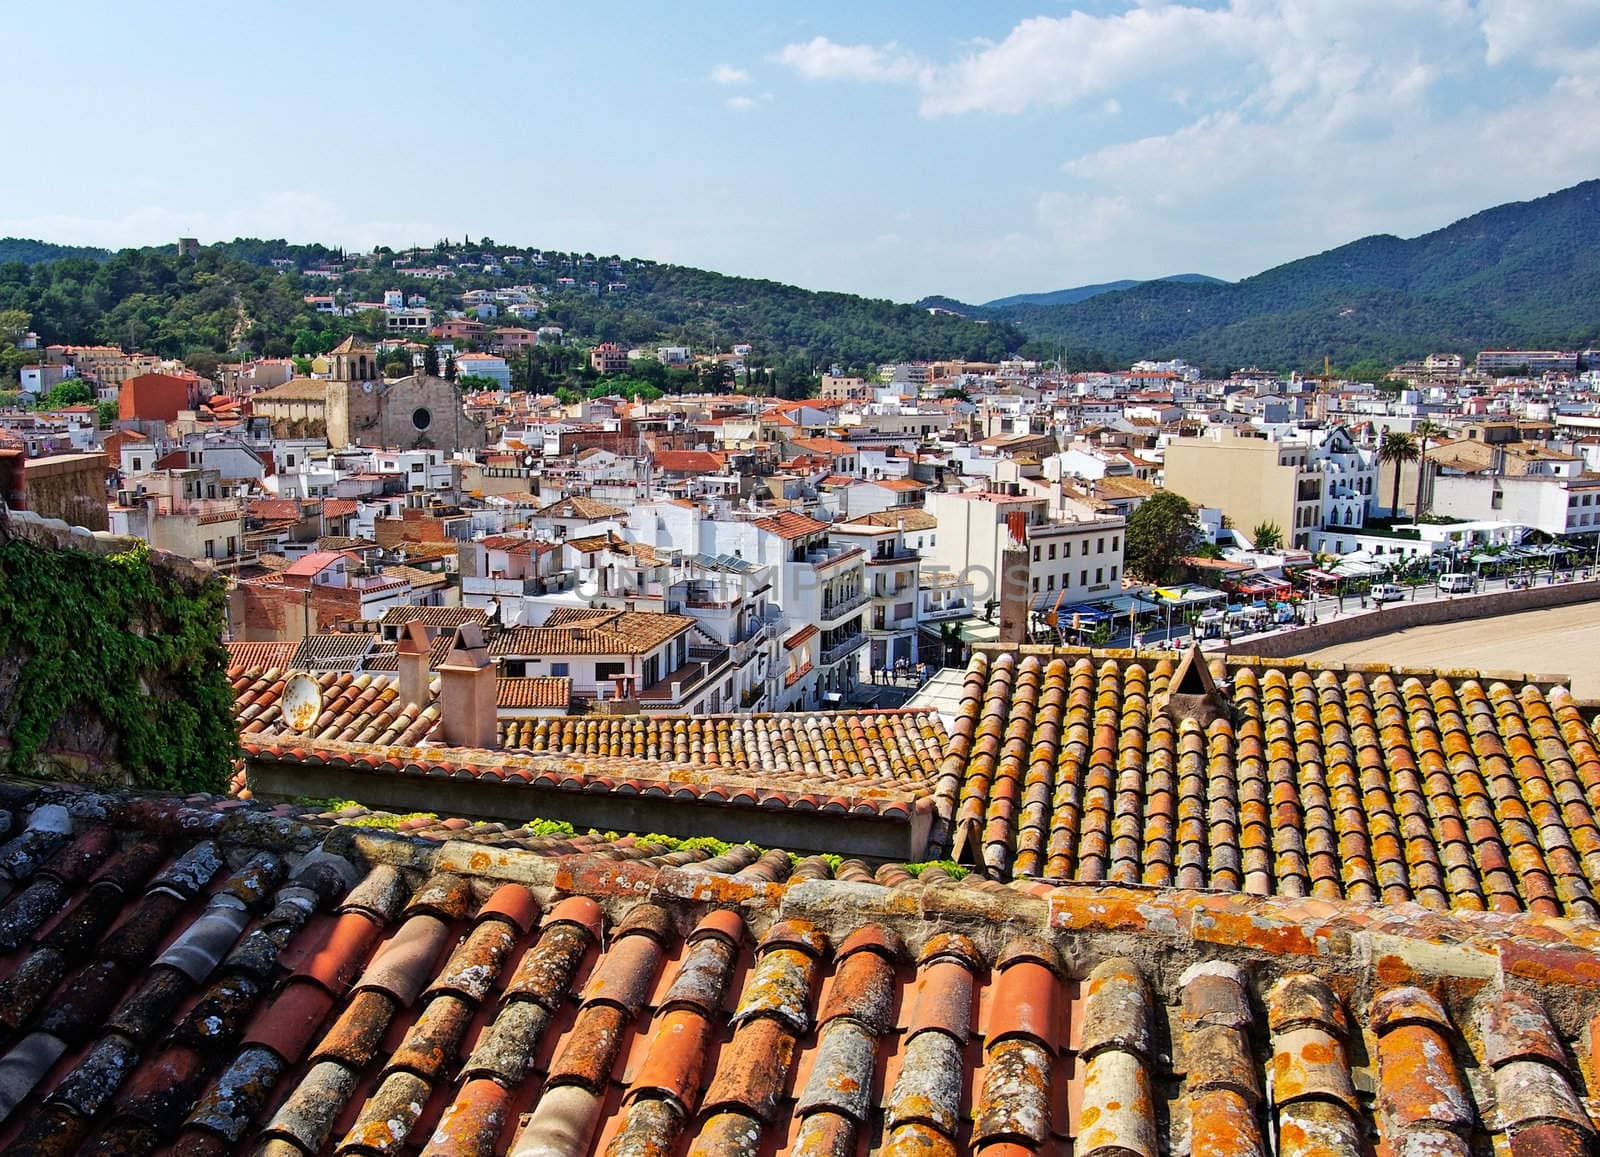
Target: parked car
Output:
[(1455, 584), (1387, 592)]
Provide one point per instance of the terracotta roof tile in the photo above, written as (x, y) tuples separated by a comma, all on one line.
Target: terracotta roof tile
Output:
[(1377, 786), (536, 691), (598, 633), (993, 1042)]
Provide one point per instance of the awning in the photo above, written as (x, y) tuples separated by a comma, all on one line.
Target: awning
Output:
[(978, 631), (1319, 576)]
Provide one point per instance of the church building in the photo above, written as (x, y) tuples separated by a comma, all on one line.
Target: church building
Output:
[(355, 406)]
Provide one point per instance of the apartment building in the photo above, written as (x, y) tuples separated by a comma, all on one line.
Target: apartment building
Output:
[(1555, 503), (608, 358), (634, 660), (893, 574), (1252, 480), (1082, 557)]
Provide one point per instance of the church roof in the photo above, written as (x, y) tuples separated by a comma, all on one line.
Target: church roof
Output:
[(296, 390), (352, 345)]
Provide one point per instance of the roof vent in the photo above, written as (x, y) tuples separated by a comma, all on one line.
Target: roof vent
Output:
[(1193, 692)]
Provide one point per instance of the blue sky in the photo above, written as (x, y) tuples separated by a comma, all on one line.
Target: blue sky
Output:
[(891, 149)]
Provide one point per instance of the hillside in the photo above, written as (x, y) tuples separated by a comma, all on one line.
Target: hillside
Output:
[(1522, 274), (30, 252), (1085, 292), (230, 299)]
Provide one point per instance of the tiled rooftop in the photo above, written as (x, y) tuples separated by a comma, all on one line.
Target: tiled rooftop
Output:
[(362, 708), (537, 691), (1453, 789), (835, 747), (597, 633), (199, 978)]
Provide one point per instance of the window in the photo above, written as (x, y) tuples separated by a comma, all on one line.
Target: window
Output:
[(1035, 584), (289, 461), (211, 549), (1083, 579), (558, 669), (1053, 550), (604, 671), (1099, 546), (138, 464), (516, 668), (1116, 540), (1113, 574), (421, 418), (1099, 574), (1049, 582), (1037, 549)]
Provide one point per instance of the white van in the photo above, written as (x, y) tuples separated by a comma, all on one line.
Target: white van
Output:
[(1388, 592), (1455, 584)]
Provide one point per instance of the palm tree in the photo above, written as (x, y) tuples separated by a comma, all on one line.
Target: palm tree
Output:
[(1422, 431), (1397, 448), (1267, 536)]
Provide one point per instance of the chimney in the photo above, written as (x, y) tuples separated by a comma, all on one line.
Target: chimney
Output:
[(467, 691), (1013, 597), (413, 657)]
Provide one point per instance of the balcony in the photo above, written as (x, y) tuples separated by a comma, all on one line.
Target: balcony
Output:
[(900, 555), (956, 609), (842, 649), (832, 613), (672, 690), (893, 622)]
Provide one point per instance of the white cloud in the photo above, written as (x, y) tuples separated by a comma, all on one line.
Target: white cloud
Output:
[(1555, 35), (729, 74), (740, 103), (1267, 128), (822, 59)]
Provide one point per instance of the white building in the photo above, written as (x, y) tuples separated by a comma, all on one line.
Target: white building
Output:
[(893, 578), (1082, 558)]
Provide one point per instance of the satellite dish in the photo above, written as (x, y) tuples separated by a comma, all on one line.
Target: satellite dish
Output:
[(301, 703)]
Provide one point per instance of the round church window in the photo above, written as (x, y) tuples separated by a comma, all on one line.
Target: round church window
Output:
[(421, 418)]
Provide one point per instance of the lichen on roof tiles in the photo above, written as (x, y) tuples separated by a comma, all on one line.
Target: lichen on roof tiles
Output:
[(378, 992), (1376, 786)]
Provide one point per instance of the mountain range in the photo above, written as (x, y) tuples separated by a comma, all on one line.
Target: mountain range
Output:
[(1054, 297), (1525, 274)]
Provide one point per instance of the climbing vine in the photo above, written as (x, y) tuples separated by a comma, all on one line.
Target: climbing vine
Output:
[(118, 643)]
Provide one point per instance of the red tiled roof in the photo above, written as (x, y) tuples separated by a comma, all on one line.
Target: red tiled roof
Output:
[(608, 633), (274, 508), (234, 978), (317, 560), (689, 461), (537, 691), (788, 524), (1439, 788), (806, 632), (262, 654)]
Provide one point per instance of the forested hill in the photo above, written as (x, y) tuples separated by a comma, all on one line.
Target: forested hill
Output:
[(30, 252), (1519, 275), (230, 298)]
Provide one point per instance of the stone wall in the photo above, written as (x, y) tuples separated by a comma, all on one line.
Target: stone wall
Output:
[(1401, 616), (112, 669), (71, 487)]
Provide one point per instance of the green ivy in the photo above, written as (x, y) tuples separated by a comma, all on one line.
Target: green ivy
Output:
[(117, 638)]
